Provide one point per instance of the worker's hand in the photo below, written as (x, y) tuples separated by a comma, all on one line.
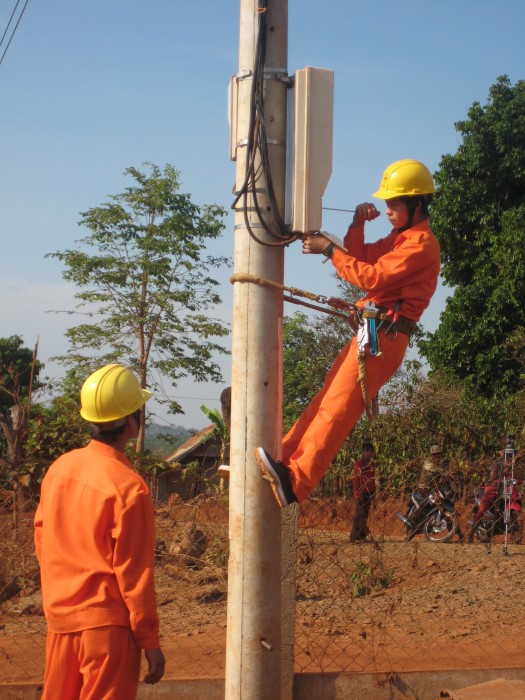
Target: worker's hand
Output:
[(315, 243), (156, 663), (365, 212)]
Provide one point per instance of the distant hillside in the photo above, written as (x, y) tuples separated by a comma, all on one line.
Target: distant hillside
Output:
[(164, 439)]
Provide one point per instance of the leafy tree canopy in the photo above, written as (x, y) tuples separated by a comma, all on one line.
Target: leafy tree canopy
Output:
[(16, 364), (19, 372), (145, 283), (478, 215)]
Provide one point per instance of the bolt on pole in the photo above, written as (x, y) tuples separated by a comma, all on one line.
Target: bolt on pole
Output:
[(253, 644)]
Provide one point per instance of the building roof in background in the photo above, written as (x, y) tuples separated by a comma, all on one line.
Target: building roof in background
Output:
[(192, 444)]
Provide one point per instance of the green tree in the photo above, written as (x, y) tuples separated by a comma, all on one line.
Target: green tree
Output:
[(221, 432), (19, 370), (145, 284), (56, 426), (479, 218)]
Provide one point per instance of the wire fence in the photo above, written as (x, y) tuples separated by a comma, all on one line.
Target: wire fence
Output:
[(384, 604)]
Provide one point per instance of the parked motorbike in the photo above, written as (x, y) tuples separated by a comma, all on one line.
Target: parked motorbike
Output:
[(505, 512), (432, 513)]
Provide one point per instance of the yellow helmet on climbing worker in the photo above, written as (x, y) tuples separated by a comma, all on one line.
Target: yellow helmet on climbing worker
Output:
[(111, 393), (405, 178), (410, 182)]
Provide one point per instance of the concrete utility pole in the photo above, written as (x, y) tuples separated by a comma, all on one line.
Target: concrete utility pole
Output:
[(254, 606)]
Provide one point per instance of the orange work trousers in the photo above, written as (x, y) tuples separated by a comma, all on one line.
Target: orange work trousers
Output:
[(312, 443), (102, 663)]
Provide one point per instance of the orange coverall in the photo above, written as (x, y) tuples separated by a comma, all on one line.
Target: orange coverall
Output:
[(402, 267), (94, 540)]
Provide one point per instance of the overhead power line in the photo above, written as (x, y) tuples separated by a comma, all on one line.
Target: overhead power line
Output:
[(13, 14)]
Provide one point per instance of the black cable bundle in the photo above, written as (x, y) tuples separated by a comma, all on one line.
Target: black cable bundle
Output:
[(257, 144)]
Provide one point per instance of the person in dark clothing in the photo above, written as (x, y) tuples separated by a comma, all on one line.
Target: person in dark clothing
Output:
[(364, 491)]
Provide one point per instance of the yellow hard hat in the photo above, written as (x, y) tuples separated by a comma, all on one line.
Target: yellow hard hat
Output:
[(110, 393), (405, 178)]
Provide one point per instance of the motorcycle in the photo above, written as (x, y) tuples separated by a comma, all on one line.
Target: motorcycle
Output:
[(504, 512), (432, 513)]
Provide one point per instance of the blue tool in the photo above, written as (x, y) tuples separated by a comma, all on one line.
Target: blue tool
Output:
[(373, 336)]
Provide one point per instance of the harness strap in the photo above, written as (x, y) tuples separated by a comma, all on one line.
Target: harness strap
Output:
[(399, 323), (339, 314), (405, 325)]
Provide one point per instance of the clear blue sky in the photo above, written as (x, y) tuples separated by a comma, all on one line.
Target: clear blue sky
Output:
[(90, 88)]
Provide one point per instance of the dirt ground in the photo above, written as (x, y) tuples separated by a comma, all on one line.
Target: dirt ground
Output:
[(385, 605)]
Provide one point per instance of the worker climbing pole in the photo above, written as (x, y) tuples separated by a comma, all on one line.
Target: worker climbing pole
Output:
[(398, 275)]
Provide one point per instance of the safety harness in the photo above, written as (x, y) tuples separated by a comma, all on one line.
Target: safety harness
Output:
[(366, 322)]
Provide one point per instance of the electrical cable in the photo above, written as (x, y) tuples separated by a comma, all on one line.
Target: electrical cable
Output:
[(14, 30), (257, 146), (257, 151), (9, 23)]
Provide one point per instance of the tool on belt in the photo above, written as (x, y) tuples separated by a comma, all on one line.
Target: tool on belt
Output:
[(372, 319)]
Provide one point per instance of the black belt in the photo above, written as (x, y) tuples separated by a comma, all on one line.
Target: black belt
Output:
[(402, 324), (405, 325)]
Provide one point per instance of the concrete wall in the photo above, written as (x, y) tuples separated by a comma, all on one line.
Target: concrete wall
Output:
[(326, 686)]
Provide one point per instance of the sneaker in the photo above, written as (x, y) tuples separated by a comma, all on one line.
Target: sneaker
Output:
[(278, 475)]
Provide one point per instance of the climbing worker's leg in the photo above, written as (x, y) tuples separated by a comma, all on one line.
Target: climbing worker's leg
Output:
[(312, 443)]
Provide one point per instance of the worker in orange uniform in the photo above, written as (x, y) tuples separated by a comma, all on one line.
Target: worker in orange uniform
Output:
[(399, 274), (94, 540)]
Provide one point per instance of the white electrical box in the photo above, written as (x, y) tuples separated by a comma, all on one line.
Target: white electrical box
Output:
[(309, 147)]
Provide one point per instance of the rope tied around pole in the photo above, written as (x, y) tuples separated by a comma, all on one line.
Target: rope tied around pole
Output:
[(264, 282), (371, 407)]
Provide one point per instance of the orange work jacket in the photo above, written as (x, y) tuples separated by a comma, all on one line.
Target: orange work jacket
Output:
[(402, 267), (94, 540)]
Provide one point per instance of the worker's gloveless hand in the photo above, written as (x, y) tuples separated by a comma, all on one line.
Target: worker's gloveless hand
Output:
[(314, 244), (365, 212), (156, 663)]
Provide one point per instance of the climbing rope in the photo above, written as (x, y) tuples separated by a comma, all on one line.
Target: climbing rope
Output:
[(371, 407)]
